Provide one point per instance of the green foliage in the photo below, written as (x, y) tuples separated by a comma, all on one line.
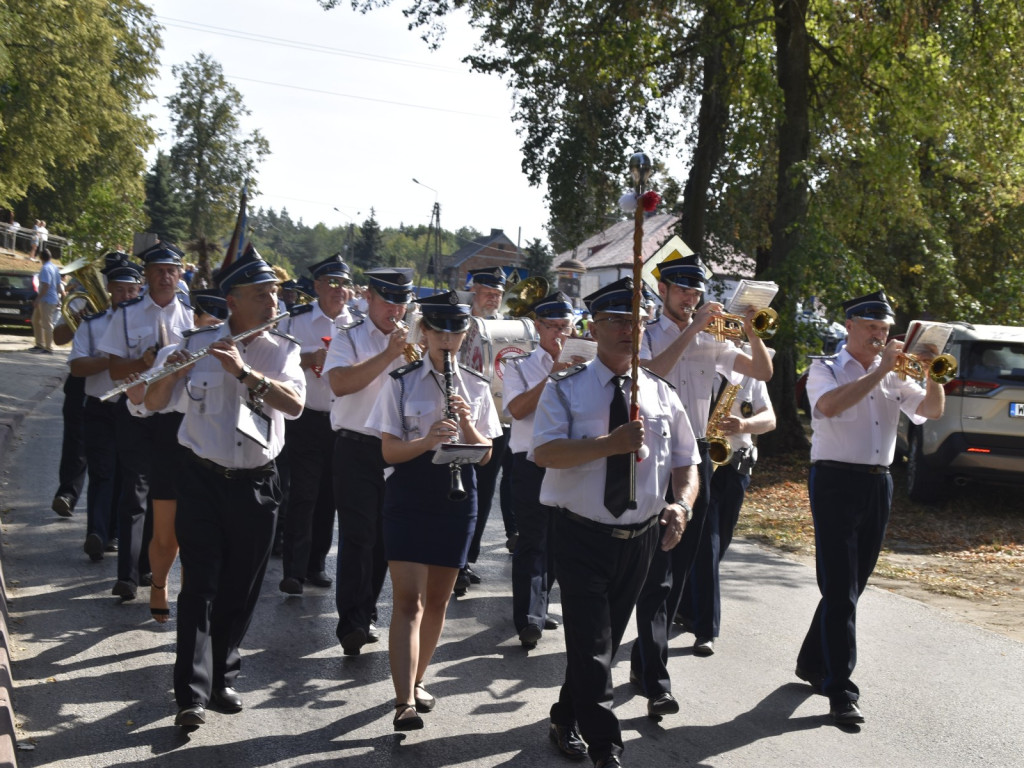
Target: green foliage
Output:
[(163, 205), (367, 252), (538, 261)]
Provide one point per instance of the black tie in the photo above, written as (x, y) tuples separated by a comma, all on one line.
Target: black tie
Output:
[(616, 480)]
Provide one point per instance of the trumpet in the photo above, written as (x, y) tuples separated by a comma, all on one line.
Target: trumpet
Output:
[(412, 351), (457, 492), (942, 369), (161, 373), (726, 326)]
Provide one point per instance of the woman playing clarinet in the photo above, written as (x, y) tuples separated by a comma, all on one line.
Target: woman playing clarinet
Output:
[(429, 507)]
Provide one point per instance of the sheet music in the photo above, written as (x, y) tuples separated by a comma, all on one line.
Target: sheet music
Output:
[(459, 453), (926, 338), (751, 293), (584, 348)]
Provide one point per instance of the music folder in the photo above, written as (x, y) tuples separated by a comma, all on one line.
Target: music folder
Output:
[(459, 453)]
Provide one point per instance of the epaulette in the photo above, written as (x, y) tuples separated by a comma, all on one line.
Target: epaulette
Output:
[(823, 358), (130, 302), (301, 309), (652, 374), (353, 324), (283, 335), (567, 372), (93, 315), (479, 375), (193, 331), (184, 301), (407, 368)]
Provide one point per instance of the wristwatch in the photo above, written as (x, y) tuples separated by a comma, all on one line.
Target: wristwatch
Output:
[(246, 370), (687, 509)]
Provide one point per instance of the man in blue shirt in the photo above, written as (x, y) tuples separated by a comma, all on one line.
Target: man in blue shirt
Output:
[(45, 308)]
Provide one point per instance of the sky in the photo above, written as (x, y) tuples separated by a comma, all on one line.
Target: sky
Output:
[(355, 107)]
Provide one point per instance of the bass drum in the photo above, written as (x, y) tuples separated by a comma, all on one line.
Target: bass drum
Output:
[(490, 342)]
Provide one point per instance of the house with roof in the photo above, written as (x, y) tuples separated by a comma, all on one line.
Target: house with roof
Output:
[(493, 250)]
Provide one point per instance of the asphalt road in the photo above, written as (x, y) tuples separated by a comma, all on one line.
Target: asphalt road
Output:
[(93, 676)]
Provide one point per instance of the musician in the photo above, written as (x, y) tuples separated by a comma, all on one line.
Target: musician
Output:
[(855, 399), (427, 529), (235, 401), (488, 288), (533, 572), (357, 367), (147, 447), (309, 524), (92, 367), (603, 548), (689, 358)]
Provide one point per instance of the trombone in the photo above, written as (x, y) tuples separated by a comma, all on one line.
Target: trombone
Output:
[(942, 369), (726, 326)]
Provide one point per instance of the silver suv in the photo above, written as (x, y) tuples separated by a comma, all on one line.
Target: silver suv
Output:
[(981, 435)]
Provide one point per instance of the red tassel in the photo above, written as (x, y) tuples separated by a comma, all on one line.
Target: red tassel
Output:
[(650, 201)]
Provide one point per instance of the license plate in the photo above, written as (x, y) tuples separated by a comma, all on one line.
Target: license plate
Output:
[(9, 311), (1017, 410)]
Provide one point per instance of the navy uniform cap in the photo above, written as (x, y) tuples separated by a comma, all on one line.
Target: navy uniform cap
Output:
[(615, 297), (874, 306), (444, 312), (492, 277), (162, 253), (685, 271), (250, 269), (556, 306), (115, 259), (126, 272), (392, 285), (210, 301), (333, 266)]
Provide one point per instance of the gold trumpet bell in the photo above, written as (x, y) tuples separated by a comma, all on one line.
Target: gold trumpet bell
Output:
[(726, 326), (942, 369)]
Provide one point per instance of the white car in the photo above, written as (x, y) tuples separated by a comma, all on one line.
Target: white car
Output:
[(981, 435)]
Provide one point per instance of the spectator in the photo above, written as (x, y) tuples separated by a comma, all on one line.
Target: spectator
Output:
[(45, 307), (40, 235)]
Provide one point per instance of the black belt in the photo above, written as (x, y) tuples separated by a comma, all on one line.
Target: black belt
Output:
[(629, 532), (868, 469), (359, 437), (231, 473)]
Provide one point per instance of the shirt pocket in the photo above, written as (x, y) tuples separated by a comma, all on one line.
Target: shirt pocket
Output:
[(206, 392), (585, 430), (418, 417)]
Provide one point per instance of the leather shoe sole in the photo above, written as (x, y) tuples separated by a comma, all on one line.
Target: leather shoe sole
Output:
[(662, 705), (568, 741), (191, 717), (227, 700), (529, 635), (353, 641)]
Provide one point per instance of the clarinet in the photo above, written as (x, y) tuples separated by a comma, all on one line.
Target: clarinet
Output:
[(456, 492)]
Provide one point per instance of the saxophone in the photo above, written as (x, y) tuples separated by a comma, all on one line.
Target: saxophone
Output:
[(719, 450)]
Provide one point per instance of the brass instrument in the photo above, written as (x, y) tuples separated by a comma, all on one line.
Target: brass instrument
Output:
[(95, 294), (942, 369), (457, 492), (522, 295), (412, 351), (163, 372), (719, 449), (726, 326)]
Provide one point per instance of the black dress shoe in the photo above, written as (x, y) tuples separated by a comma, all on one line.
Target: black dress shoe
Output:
[(511, 542), (704, 646), (662, 705), (62, 505), (550, 623), (568, 740), (111, 546), (814, 679), (353, 641), (372, 634), (191, 717), (227, 699), (461, 583), (319, 579), (124, 589), (94, 547), (846, 713), (529, 635), (474, 577), (612, 761), (290, 586)]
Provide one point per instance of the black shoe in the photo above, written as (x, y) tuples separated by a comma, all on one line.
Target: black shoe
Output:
[(124, 589), (406, 722), (353, 641), (704, 646), (94, 547), (63, 505), (665, 704), (609, 762), (529, 635), (474, 577), (846, 713), (319, 579), (290, 586), (227, 700), (550, 623), (372, 634), (511, 542), (146, 580), (191, 717), (568, 740), (111, 546), (815, 680), (461, 583), (424, 701)]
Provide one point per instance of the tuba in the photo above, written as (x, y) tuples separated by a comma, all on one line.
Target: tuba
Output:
[(520, 296), (719, 449), (94, 292)]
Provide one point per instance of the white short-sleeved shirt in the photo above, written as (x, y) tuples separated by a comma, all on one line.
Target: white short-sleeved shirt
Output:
[(521, 375), (135, 328), (866, 432), (575, 406), (354, 344), (412, 399), (693, 375), (86, 344), (210, 397), (310, 327)]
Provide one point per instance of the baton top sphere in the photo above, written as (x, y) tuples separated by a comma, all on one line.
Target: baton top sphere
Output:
[(640, 167)]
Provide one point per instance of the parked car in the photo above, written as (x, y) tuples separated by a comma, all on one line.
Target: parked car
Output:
[(17, 292), (981, 434)]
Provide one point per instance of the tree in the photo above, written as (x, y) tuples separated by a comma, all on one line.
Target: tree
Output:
[(163, 206), (538, 260), (210, 159), (367, 252)]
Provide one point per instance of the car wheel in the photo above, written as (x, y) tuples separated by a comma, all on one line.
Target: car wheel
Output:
[(924, 482)]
